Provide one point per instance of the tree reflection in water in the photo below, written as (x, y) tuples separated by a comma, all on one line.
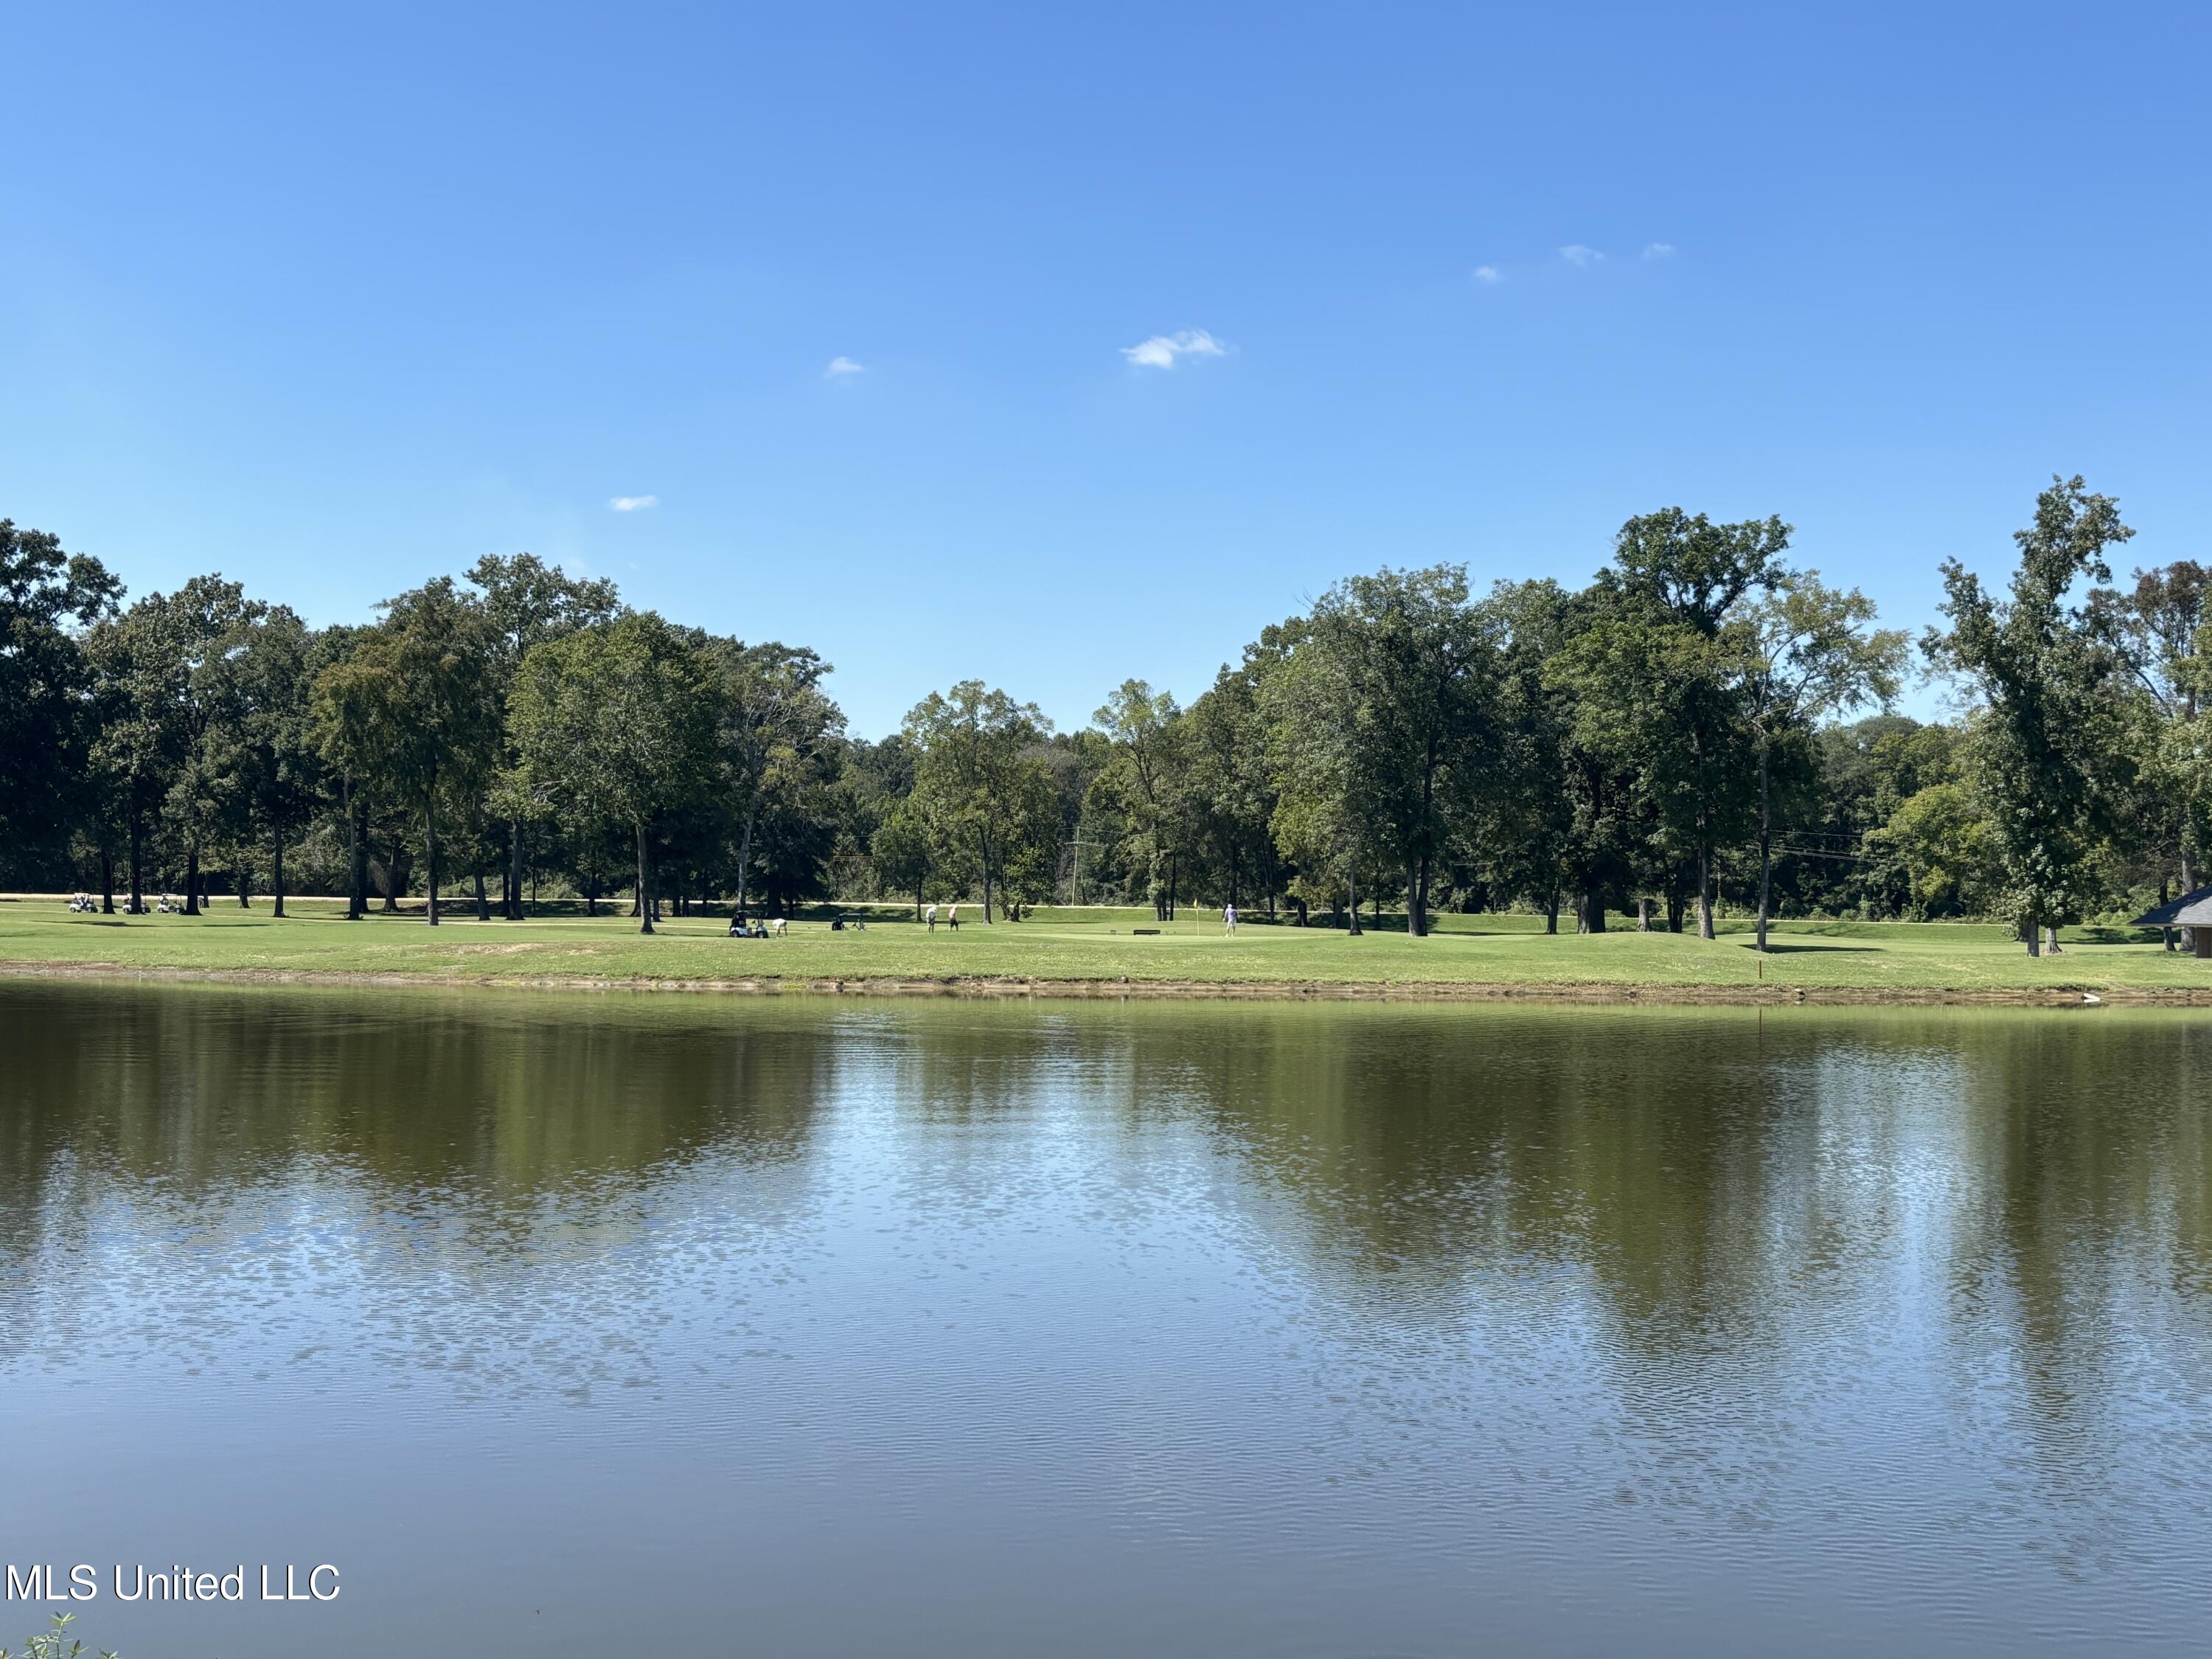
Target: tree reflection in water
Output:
[(1845, 1291)]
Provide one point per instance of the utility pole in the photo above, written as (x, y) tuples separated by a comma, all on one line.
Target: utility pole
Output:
[(1075, 882)]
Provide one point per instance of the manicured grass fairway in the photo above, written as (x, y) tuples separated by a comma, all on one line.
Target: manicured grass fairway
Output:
[(1090, 945)]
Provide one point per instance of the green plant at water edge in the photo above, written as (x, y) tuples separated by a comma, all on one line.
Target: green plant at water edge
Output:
[(55, 1643)]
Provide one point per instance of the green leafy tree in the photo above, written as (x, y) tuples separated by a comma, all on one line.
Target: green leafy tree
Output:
[(1390, 701), (1530, 819), (872, 779), (2183, 759), (341, 724), (1659, 703), (136, 691), (2156, 625), (1854, 775), (1695, 571), (266, 747), (1660, 681), (983, 788), (207, 615), (1940, 839), (775, 736), (1144, 778), (618, 719), (2179, 768), (899, 851), (2044, 747), (1326, 820), (1810, 652), (527, 602), (1231, 787), (47, 597), (1318, 823), (55, 1641), (166, 708), (416, 703)]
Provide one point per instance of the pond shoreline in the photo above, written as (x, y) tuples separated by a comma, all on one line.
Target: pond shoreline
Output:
[(1011, 987)]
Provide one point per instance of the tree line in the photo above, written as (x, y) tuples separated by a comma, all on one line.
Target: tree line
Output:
[(1702, 724)]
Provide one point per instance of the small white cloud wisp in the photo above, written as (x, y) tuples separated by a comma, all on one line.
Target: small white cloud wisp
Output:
[(842, 368), (1658, 250), (1488, 274), (1580, 257), (1162, 349), (633, 503)]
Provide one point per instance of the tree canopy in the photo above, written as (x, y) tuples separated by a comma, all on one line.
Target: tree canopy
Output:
[(1700, 726)]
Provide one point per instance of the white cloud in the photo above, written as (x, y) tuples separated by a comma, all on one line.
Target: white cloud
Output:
[(632, 503), (1162, 349), (1488, 274), (1576, 254), (1658, 250), (841, 366)]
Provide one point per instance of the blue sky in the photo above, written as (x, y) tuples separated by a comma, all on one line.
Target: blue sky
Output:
[(332, 300)]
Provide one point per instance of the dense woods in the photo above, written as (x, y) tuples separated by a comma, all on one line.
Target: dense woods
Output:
[(1705, 726)]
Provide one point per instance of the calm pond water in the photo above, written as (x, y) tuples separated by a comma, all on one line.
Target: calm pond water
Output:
[(784, 1328)]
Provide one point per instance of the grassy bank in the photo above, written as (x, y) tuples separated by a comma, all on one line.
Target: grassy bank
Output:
[(1096, 948)]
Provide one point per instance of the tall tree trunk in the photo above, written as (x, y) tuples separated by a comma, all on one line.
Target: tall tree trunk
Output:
[(483, 904), (1644, 916), (514, 869), (192, 879), (2033, 931), (356, 856), (2188, 881), (245, 877), (138, 859), (745, 849), (984, 843), (276, 869), (1593, 912), (392, 878), (1412, 899), (1704, 889), (107, 882), (1352, 889), (2051, 947), (1552, 912), (644, 883), (430, 848), (1765, 845)]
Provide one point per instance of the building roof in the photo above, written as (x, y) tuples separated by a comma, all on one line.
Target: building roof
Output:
[(2190, 910)]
